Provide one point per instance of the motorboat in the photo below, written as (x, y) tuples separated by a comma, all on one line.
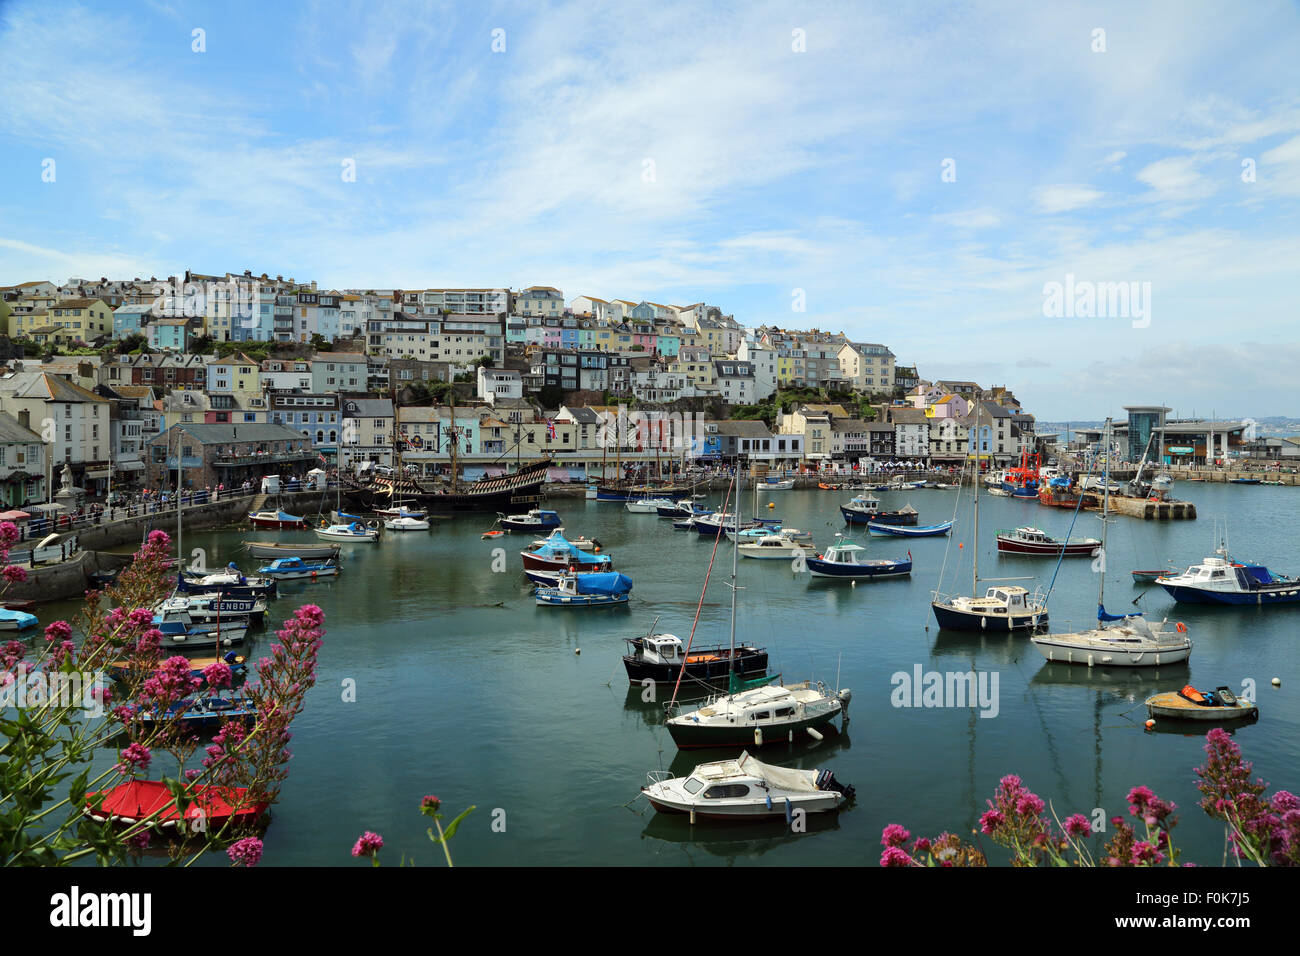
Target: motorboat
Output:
[(579, 589), (685, 508), (1220, 580), (203, 713), (717, 523), (556, 553), (847, 560), (1032, 541), (296, 569), (648, 506), (782, 485), (213, 607), (746, 789), (230, 581), (11, 620), (661, 659), (280, 520), (778, 547), (1002, 608), (354, 532), (535, 520), (179, 629), (865, 509), (772, 713)]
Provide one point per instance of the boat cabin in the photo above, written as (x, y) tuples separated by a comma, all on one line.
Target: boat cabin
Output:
[(662, 649)]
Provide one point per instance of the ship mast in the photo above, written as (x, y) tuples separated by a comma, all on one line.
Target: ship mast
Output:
[(975, 551)]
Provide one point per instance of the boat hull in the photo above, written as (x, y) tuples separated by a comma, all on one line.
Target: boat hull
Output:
[(1071, 550), (886, 569), (554, 597), (1066, 653), (952, 618), (711, 665), (1262, 597), (880, 517), (690, 736), (1172, 706), (308, 552), (902, 531), (808, 803)]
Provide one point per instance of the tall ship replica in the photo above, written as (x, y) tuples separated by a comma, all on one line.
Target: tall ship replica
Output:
[(517, 491)]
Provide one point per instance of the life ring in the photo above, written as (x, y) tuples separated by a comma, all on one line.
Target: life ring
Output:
[(1182, 628), (372, 525)]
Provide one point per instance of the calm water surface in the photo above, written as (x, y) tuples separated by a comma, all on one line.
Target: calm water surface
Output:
[(468, 690)]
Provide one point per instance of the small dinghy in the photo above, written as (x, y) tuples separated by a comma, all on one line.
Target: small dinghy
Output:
[(1192, 704), (270, 550), (279, 520), (785, 485), (136, 800), (238, 664), (1149, 577), (11, 620), (900, 531), (746, 789)]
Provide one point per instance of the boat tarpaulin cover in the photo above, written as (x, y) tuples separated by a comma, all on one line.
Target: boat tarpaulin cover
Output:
[(786, 779), (607, 582), (1103, 616), (1258, 573)]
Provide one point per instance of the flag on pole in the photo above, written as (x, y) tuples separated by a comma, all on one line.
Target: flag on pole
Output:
[(550, 428)]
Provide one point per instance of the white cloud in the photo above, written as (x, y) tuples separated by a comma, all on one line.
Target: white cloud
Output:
[(1064, 198)]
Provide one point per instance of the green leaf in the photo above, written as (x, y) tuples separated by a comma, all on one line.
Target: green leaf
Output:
[(451, 827)]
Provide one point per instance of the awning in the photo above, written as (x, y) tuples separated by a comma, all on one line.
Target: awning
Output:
[(97, 473), (13, 515), (130, 466)]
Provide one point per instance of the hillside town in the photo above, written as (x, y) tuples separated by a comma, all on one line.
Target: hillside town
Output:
[(262, 374)]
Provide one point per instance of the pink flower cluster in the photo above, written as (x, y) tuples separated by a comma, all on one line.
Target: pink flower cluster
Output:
[(368, 844), (1265, 830), (133, 756), (245, 852), (170, 683)]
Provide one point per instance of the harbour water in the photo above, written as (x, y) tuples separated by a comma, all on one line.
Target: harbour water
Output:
[(464, 688)]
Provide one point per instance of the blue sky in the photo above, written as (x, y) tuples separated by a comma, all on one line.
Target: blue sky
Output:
[(774, 169)]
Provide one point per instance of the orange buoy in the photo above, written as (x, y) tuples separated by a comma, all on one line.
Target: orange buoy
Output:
[(1150, 724)]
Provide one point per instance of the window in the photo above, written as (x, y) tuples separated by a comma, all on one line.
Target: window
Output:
[(724, 791)]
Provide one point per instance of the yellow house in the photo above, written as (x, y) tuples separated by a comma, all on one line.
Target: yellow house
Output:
[(84, 319), (29, 312), (696, 364)]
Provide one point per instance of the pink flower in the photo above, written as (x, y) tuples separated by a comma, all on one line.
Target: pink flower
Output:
[(368, 845), (991, 820), (1145, 853), (429, 805), (1077, 826), (58, 631), (160, 539), (15, 574), (8, 533), (894, 835), (134, 756), (894, 856), (922, 845), (141, 617), (138, 841), (245, 852), (217, 674), (1029, 805)]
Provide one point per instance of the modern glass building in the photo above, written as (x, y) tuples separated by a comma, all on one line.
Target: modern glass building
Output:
[(1143, 420)]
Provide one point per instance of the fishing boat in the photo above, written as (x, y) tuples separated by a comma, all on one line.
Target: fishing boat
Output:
[(1244, 481), (354, 532), (280, 520), (746, 789), (1192, 704), (178, 629), (1057, 493), (122, 670), (685, 508), (661, 659), (580, 589), (556, 553), (775, 547), (1219, 580), (11, 620), (782, 485), (204, 713), (534, 520), (1119, 640), (864, 509), (213, 607), (844, 559), (1002, 607), (1022, 480), (902, 531), (270, 550), (296, 569), (1032, 541), (209, 805)]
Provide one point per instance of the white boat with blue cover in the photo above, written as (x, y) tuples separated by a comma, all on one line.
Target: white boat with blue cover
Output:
[(295, 569), (16, 620), (578, 589)]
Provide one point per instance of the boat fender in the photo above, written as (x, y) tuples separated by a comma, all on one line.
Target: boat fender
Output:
[(767, 798), (789, 811)]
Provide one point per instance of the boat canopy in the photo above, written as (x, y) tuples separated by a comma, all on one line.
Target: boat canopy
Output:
[(606, 582), (1258, 573), (1103, 616), (785, 779)]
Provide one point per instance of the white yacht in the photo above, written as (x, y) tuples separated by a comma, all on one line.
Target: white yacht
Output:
[(746, 788)]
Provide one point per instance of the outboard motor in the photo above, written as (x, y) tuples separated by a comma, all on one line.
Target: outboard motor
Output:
[(826, 781)]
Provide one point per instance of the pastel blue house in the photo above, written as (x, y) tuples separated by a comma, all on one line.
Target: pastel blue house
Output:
[(130, 320)]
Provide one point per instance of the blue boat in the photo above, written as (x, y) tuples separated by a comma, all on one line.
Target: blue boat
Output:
[(575, 589), (864, 509), (846, 560), (898, 531), (206, 713), (180, 631), (558, 553), (1219, 580), (295, 568), (538, 519), (16, 620)]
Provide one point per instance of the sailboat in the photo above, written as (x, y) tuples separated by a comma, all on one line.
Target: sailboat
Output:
[(765, 713), (344, 529), (1121, 640), (1003, 607)]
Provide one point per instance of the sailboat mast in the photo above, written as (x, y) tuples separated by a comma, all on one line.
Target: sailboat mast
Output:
[(1105, 523), (735, 553), (975, 549)]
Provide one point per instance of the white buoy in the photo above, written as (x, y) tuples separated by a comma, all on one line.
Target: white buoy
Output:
[(577, 650), (815, 735), (853, 584), (758, 736), (1276, 682)]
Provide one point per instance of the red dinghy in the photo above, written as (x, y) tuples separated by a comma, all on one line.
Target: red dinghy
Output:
[(135, 800)]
